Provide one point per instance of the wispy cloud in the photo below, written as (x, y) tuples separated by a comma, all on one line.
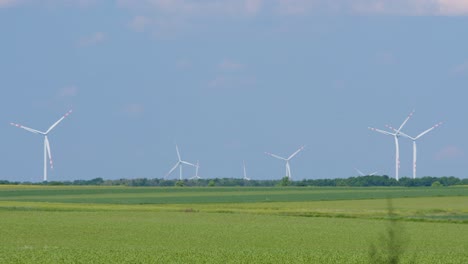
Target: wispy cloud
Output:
[(461, 69), (218, 8), (301, 7), (386, 58), (453, 7), (183, 64), (253, 6), (69, 91), (449, 152), (230, 65), (140, 23), (134, 109), (54, 3), (93, 39), (8, 3)]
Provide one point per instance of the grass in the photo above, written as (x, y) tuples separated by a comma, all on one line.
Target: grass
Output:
[(76, 225)]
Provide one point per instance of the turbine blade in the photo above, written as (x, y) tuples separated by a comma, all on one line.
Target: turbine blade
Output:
[(295, 153), (173, 168), (400, 132), (406, 120), (275, 156), (372, 174), (381, 131), (360, 172), (27, 128), (58, 121), (187, 163), (428, 130), (178, 154)]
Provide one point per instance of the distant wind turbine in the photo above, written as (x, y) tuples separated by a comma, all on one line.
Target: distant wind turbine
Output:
[(364, 174), (179, 164), (196, 171), (245, 173), (47, 152), (395, 135), (288, 167), (414, 142)]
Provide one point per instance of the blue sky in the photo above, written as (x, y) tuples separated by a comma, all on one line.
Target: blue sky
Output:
[(229, 80)]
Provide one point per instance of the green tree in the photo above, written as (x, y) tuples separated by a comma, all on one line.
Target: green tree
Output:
[(436, 184), (179, 183), (285, 181)]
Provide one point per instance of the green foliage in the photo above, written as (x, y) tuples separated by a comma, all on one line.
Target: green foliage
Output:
[(211, 183), (391, 244), (51, 224), (179, 183), (285, 181), (361, 181), (436, 184)]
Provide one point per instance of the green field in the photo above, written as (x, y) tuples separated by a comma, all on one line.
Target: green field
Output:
[(45, 224)]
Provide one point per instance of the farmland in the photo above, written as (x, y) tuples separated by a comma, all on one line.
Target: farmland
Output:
[(47, 224)]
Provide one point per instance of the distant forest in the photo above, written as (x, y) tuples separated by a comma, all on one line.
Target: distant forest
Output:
[(361, 181)]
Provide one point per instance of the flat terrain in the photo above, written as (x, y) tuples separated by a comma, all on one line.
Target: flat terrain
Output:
[(65, 224)]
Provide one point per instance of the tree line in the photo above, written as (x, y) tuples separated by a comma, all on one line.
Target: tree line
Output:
[(360, 181)]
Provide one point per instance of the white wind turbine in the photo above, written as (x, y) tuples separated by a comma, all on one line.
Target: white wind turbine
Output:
[(395, 135), (47, 152), (363, 174), (179, 164), (414, 142), (245, 173), (196, 171), (288, 167)]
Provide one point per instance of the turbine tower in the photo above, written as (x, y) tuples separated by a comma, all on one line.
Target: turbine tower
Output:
[(414, 143), (288, 167), (395, 135), (179, 164), (196, 171), (47, 152), (245, 173)]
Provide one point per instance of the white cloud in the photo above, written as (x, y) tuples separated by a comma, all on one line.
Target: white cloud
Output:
[(230, 65), (93, 39), (386, 58), (295, 7), (48, 3), (461, 69), (453, 7), (253, 6), (140, 23), (69, 91), (449, 152), (183, 64), (134, 109), (8, 3)]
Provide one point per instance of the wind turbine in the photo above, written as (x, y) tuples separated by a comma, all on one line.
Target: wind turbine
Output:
[(395, 135), (179, 164), (245, 173), (47, 152), (414, 142), (363, 174), (288, 167), (196, 171)]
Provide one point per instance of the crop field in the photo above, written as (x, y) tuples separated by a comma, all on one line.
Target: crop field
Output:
[(65, 224)]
